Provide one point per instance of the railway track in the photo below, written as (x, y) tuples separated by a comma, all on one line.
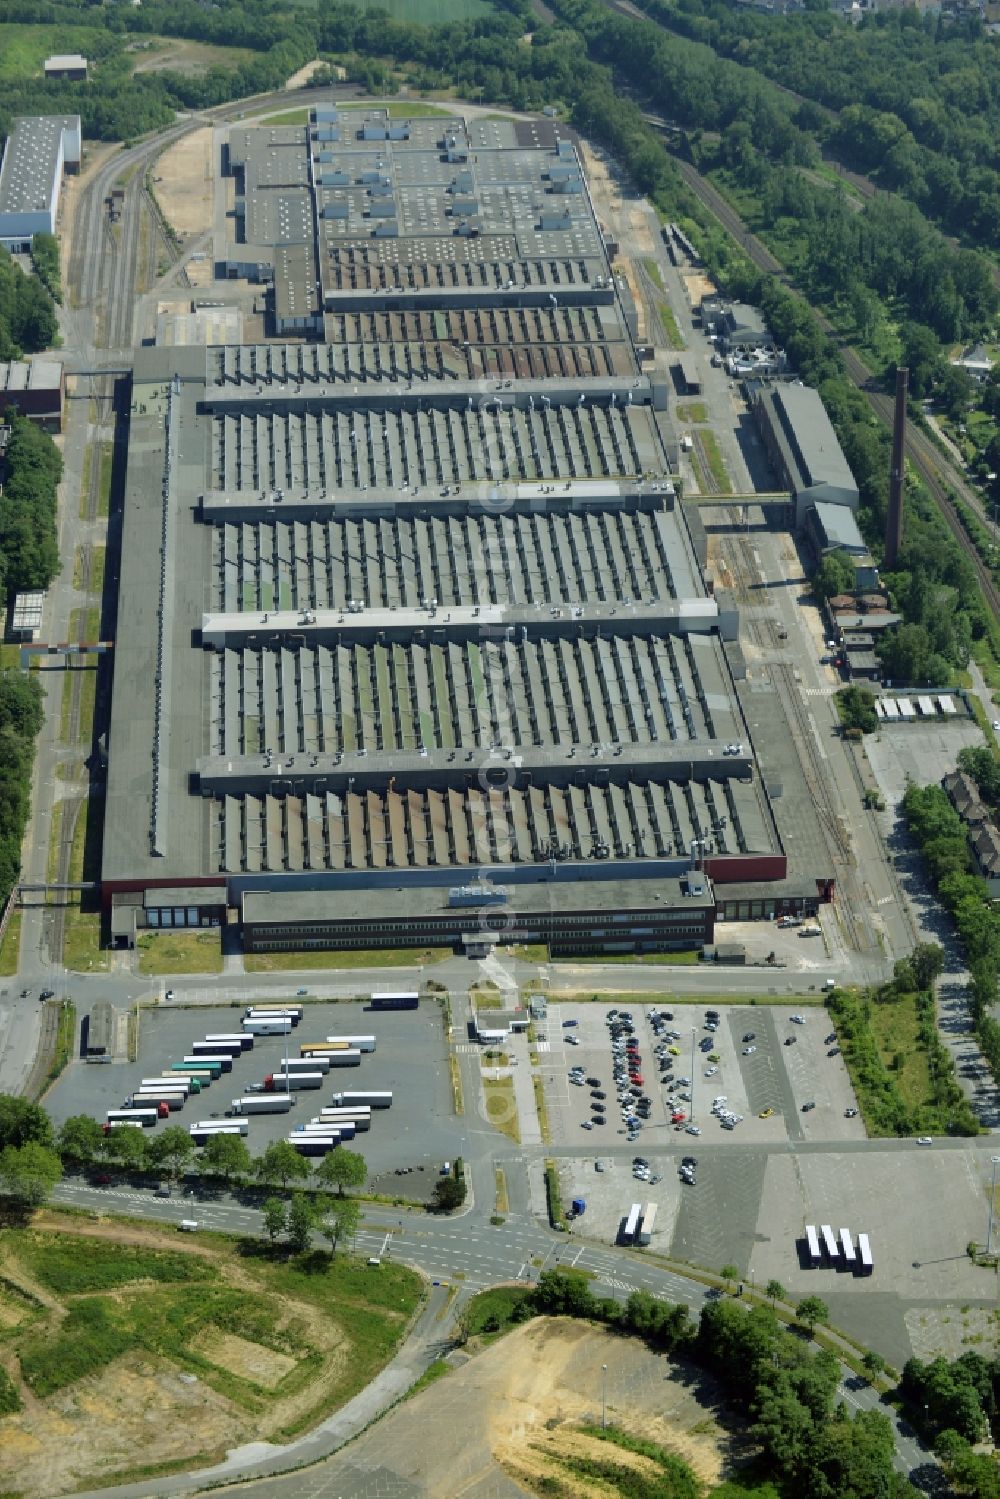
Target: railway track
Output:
[(921, 452)]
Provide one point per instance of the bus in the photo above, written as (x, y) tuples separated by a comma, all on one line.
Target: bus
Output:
[(632, 1222), (647, 1225), (847, 1246), (813, 1249), (865, 1254), (830, 1245)]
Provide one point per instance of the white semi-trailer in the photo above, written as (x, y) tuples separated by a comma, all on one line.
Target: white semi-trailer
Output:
[(263, 1103), (288, 1082), (275, 1025), (363, 1043)]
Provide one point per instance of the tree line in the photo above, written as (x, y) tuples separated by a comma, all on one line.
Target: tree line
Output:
[(944, 844)]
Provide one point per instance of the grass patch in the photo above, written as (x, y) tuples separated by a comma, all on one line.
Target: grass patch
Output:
[(373, 957), (501, 1108), (65, 1040), (56, 1261), (670, 327), (654, 273), (502, 1196), (541, 1109), (155, 1300), (553, 1195), (493, 1312), (10, 948), (180, 952), (673, 959), (903, 1078), (24, 48), (457, 1098), (713, 458), (431, 1374)]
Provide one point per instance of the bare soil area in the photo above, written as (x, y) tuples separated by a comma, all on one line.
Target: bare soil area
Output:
[(144, 1408), (547, 1380), (185, 183)]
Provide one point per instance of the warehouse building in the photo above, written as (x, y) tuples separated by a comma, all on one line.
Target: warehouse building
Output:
[(803, 447), (424, 653), (38, 150)]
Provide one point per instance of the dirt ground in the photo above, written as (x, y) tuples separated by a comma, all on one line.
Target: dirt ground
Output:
[(185, 183), (143, 1408), (547, 1378), (697, 286)]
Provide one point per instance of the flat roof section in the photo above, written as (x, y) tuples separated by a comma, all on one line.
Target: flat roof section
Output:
[(31, 161)]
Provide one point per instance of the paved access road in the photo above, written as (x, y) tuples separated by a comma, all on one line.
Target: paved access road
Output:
[(466, 1246)]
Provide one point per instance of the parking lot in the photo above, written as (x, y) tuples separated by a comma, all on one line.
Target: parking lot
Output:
[(758, 1059), (409, 1060)]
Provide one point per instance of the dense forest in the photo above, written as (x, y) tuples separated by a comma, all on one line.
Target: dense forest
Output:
[(913, 100)]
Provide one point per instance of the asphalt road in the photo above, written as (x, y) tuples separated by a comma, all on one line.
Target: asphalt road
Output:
[(444, 1248)]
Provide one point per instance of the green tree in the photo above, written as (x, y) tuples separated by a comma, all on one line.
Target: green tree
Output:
[(834, 575), (342, 1168), (226, 1156), (127, 1148), (171, 1150), (23, 1122), (449, 1193), (810, 1310), (301, 1217), (282, 1163), (338, 1219), (80, 1139), (275, 1213), (29, 1172)]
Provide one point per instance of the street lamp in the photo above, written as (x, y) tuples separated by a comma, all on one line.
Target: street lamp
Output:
[(604, 1397), (993, 1193)]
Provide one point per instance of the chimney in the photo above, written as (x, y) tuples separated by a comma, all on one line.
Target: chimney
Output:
[(894, 520)]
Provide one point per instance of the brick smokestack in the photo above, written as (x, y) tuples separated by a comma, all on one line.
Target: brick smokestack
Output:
[(894, 520)]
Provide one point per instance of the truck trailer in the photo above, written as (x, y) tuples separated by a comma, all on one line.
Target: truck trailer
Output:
[(288, 1082), (194, 1084), (277, 1025), (208, 1048), (223, 1059), (263, 1103), (211, 1065), (363, 1043), (294, 1010), (362, 1100), (145, 1117)]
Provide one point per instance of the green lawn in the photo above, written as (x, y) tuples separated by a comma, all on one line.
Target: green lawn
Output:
[(375, 957), (332, 1323), (180, 952), (24, 48), (11, 947), (501, 1109)]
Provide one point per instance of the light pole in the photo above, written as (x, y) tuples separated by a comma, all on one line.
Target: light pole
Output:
[(993, 1193), (604, 1397)]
